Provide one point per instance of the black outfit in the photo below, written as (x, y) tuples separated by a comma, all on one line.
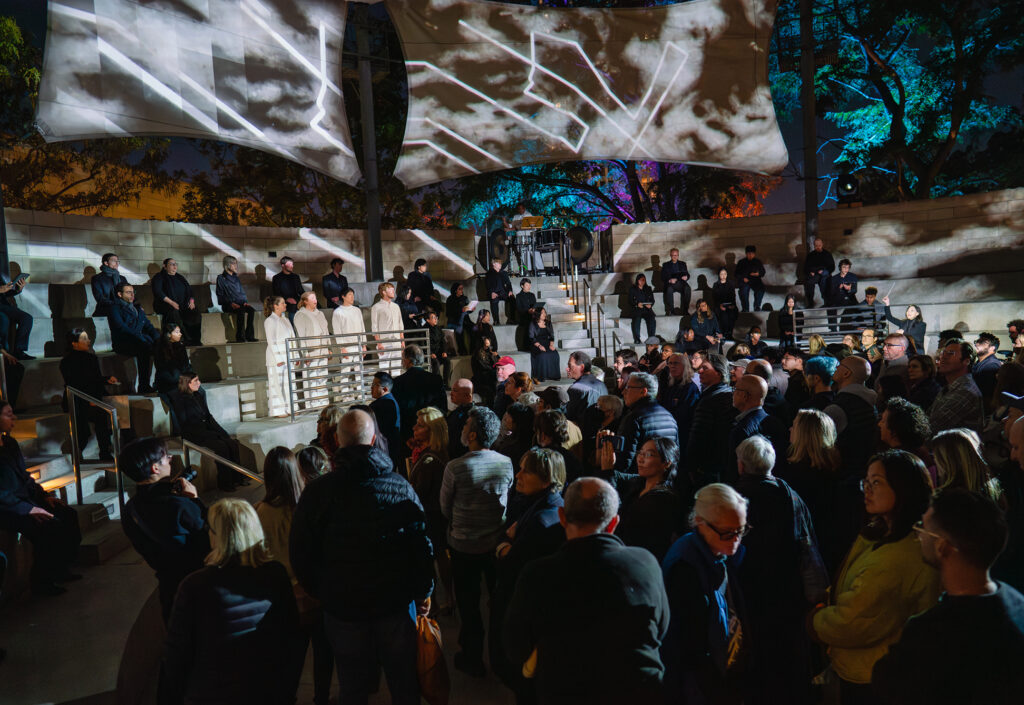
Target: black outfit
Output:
[(132, 334), (545, 363), (838, 296), (966, 649), (639, 296), (413, 390), (652, 520), (55, 541), (524, 302), (422, 288), (385, 410), (817, 269), (725, 303), (583, 394), (485, 378), (913, 329), (599, 650), (456, 422), (231, 294), (789, 322), (680, 400), (171, 362), (233, 638), (645, 420), (288, 286), (411, 314), (677, 271), (11, 315), (104, 289), (702, 328), (439, 364), (797, 394), (177, 289), (169, 531), (500, 284), (753, 271), (755, 422), (984, 374), (835, 511), (333, 286), (481, 331), (81, 370), (924, 392), (198, 425), (457, 320), (707, 449)]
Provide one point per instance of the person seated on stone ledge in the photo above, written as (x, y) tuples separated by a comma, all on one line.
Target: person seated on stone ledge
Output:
[(750, 275), (422, 286), (11, 315), (232, 299), (334, 283), (641, 300), (288, 285), (132, 334), (104, 284), (674, 277), (173, 300)]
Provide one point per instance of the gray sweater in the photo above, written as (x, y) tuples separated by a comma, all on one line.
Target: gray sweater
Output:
[(474, 495)]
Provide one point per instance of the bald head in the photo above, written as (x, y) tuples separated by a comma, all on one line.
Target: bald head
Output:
[(355, 429), (852, 370), (462, 392), (590, 506), (759, 368), (749, 393)]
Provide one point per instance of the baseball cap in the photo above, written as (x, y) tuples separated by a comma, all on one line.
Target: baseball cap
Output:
[(506, 360), (554, 397)]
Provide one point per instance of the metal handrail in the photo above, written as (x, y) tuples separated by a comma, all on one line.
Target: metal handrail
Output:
[(202, 450), (76, 451), (3, 379), (834, 322)]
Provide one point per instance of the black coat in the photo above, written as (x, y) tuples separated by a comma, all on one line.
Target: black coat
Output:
[(673, 270), (287, 286), (129, 326), (104, 289), (707, 449), (333, 285), (81, 370), (385, 409), (913, 329), (170, 365), (453, 306), (583, 393), (176, 288), (229, 291), (745, 268), (359, 538), (416, 389), (819, 260), (652, 520), (639, 296), (756, 422), (422, 286), (498, 283), (192, 412)]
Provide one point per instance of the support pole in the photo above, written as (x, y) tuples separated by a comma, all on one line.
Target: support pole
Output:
[(374, 256), (809, 112)]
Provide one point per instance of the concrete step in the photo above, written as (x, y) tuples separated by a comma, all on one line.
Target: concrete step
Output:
[(102, 543)]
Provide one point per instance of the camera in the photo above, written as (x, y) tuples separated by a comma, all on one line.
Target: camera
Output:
[(618, 442)]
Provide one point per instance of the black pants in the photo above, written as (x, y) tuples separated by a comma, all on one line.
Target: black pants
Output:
[(643, 314), (683, 289), (243, 322), (220, 443), (822, 281), (142, 351), (727, 320), (85, 413), (443, 366), (190, 321), (510, 309), (54, 542), (22, 322), (467, 571)]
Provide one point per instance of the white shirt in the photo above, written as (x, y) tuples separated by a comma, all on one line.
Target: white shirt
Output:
[(310, 323), (277, 329), (347, 319), (386, 315)]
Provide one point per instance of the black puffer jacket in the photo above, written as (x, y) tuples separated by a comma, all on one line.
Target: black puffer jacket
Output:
[(643, 421), (359, 538), (707, 449)]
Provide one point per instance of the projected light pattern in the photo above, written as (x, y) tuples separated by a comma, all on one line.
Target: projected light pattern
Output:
[(495, 86), (255, 72)]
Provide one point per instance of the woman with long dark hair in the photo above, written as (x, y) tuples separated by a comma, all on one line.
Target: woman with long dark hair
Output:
[(198, 425), (485, 378), (483, 329), (544, 360), (724, 293), (411, 314), (922, 385), (457, 311), (789, 321), (170, 357), (516, 435), (912, 325), (641, 299)]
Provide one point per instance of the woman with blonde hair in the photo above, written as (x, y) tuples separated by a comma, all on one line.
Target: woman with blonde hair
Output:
[(815, 344), (429, 446), (310, 322), (277, 329), (233, 635), (959, 463), (327, 429)]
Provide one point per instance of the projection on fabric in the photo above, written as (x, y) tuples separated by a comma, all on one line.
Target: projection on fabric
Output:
[(493, 86), (261, 73)]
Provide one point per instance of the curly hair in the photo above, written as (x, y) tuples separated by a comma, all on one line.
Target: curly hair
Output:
[(908, 422), (552, 424)]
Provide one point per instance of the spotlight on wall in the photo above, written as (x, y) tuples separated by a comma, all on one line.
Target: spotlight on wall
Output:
[(848, 189)]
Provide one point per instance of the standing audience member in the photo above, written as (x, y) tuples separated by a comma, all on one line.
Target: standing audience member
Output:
[(461, 397), (499, 288), (976, 631), (474, 495), (198, 426), (288, 285), (853, 411), (545, 362), (386, 317), (387, 414), (421, 284), (818, 372), (818, 265), (678, 392), (922, 387), (960, 403), (173, 300), (751, 419), (960, 465), (231, 298), (516, 434), (913, 326), (551, 430), (165, 520), (674, 279), (132, 334), (1010, 567), (370, 582), (104, 284), (416, 389), (327, 431), (705, 644), (645, 419), (439, 362), (585, 390), (797, 394), (25, 507), (314, 461), (277, 329), (563, 639), (987, 366), (641, 301), (894, 357), (234, 633), (80, 369), (883, 580), (724, 293), (429, 445), (904, 425), (708, 446), (750, 275), (334, 283), (457, 311)]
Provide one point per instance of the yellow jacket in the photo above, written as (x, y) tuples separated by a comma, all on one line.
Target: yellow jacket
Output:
[(877, 592)]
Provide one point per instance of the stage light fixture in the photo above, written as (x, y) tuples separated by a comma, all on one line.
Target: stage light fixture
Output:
[(848, 188)]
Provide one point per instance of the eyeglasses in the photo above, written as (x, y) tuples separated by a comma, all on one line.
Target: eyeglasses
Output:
[(636, 389), (893, 345), (919, 528), (873, 485), (730, 535), (649, 454)]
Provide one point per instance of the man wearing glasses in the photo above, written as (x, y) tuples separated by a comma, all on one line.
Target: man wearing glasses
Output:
[(645, 419), (976, 630), (894, 356), (959, 405)]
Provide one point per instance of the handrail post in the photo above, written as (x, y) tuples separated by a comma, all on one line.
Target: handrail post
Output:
[(3, 378), (290, 377), (76, 454), (116, 442)]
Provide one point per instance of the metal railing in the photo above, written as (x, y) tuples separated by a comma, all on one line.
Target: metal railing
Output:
[(202, 450), (833, 323), (339, 368), (3, 379), (76, 450)]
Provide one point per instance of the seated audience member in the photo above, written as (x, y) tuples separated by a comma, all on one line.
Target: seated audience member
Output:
[(516, 434), (652, 353), (461, 397), (708, 445), (818, 266), (334, 283), (986, 367), (132, 334), (904, 425), (173, 300), (234, 633), (960, 403), (545, 362), (724, 294), (842, 289), (104, 284), (367, 581), (707, 332), (922, 386), (913, 326), (288, 285), (474, 496), (557, 637), (754, 342), (46, 521), (165, 520), (170, 358), (231, 298), (11, 315), (960, 465), (815, 345), (551, 430), (674, 280), (789, 321), (457, 312), (782, 577), (416, 389), (853, 411), (976, 630), (387, 414), (411, 314), (526, 300), (585, 390), (198, 425), (883, 580), (439, 362), (818, 372), (644, 419), (532, 532), (422, 285), (484, 328), (429, 446), (749, 273), (705, 642), (484, 365), (641, 302), (80, 369), (499, 288), (650, 514)]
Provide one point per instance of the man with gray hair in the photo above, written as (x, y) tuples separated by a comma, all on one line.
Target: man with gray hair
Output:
[(416, 389), (602, 649), (782, 576), (474, 496), (359, 545), (645, 419), (232, 300)]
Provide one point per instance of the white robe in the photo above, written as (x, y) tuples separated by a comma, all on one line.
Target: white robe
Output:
[(277, 329), (309, 324), (349, 319), (387, 316)]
